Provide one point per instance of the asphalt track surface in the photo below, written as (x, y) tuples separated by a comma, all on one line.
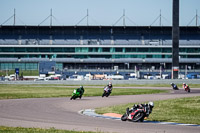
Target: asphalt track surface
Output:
[(62, 113)]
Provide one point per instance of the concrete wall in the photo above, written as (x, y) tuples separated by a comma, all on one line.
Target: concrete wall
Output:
[(105, 82)]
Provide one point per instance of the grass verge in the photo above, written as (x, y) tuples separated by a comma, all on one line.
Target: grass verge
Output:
[(4, 129), (14, 91), (181, 110)]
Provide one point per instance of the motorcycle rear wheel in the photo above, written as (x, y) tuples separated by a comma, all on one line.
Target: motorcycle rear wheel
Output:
[(139, 116)]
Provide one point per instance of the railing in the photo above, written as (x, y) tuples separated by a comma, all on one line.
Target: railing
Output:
[(94, 42), (126, 70)]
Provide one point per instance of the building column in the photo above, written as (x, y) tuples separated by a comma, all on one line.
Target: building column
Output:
[(175, 39)]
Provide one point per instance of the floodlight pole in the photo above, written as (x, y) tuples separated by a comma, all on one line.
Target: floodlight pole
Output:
[(196, 18), (51, 18), (87, 17), (175, 39), (124, 18), (160, 18), (14, 16)]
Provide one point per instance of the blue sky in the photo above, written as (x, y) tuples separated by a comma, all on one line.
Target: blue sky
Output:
[(101, 12)]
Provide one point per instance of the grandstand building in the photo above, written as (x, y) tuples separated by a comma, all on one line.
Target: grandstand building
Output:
[(97, 47)]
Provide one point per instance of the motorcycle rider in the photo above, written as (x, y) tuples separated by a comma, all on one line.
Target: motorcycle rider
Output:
[(81, 90), (150, 105), (174, 86), (110, 86), (186, 87), (107, 90)]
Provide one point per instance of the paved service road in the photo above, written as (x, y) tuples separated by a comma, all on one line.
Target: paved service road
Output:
[(62, 113)]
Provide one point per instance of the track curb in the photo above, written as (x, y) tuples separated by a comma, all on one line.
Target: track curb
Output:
[(91, 112)]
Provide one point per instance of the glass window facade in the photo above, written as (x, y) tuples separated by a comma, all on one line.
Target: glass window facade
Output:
[(21, 66), (59, 66), (96, 52)]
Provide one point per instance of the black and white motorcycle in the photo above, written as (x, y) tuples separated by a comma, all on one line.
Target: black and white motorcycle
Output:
[(106, 92), (138, 112)]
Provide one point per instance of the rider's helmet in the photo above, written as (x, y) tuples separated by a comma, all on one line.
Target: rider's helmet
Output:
[(184, 83), (172, 83), (151, 104), (81, 87), (109, 84)]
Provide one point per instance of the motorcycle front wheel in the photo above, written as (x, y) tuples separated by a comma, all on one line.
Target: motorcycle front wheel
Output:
[(124, 117), (73, 97), (104, 94)]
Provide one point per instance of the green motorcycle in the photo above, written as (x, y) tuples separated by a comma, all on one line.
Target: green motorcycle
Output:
[(76, 94)]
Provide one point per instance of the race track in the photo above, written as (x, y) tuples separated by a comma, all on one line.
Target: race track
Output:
[(62, 113)]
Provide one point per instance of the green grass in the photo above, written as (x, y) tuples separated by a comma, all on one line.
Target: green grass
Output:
[(182, 110), (32, 91), (4, 129), (42, 91)]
